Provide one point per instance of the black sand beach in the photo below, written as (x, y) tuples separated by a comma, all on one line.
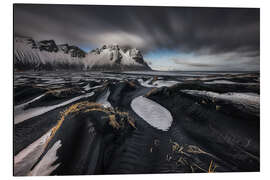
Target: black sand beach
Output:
[(79, 123)]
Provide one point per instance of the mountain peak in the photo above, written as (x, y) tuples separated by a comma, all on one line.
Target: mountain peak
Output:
[(46, 53), (119, 55)]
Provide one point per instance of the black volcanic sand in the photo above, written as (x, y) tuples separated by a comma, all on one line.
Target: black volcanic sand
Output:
[(233, 138), (99, 140), (28, 131)]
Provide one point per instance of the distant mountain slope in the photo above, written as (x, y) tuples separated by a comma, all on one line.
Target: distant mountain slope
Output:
[(44, 55), (47, 55)]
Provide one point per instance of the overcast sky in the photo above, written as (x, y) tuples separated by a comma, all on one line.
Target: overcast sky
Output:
[(170, 38)]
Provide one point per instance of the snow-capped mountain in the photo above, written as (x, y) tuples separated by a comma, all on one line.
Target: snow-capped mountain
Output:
[(114, 57), (47, 55)]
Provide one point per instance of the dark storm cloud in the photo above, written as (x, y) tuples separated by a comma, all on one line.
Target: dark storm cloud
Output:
[(205, 30), (225, 35)]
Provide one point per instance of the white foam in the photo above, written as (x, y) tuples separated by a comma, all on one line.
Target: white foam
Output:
[(152, 112)]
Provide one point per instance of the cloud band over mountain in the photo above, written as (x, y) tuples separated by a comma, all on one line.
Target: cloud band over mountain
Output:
[(185, 30)]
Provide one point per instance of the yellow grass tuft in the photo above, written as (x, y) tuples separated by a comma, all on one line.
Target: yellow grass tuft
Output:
[(113, 122), (196, 165), (212, 167), (182, 154), (131, 122), (86, 106), (154, 79), (58, 90), (150, 92), (175, 146), (73, 108), (131, 83)]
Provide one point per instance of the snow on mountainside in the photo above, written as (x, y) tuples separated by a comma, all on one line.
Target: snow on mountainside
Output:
[(46, 55), (29, 54), (113, 57)]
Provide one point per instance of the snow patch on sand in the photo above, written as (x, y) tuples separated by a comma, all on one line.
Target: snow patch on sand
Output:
[(30, 113), (161, 83), (220, 82), (228, 82), (44, 167), (87, 87), (158, 83), (26, 158), (152, 112), (103, 99), (18, 109), (250, 101)]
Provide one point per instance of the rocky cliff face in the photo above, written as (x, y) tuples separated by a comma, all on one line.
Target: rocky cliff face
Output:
[(74, 51), (47, 55), (50, 46)]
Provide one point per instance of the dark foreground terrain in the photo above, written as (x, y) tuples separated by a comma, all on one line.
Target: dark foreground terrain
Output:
[(77, 123)]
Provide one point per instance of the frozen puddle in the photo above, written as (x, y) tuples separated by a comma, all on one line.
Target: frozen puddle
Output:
[(41, 110), (152, 112)]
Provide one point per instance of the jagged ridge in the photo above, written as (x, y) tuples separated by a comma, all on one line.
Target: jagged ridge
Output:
[(47, 55)]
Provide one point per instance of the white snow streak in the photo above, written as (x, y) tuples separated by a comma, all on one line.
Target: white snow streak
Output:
[(26, 158), (250, 101), (158, 83), (104, 99), (18, 109), (228, 82), (44, 167), (41, 110)]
